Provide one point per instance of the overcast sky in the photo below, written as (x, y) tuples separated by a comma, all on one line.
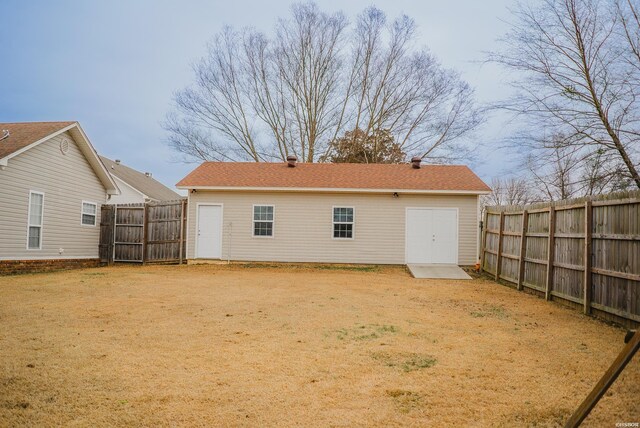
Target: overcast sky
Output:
[(114, 65)]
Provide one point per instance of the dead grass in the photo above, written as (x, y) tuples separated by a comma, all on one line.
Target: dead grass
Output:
[(365, 332), (405, 401), (267, 345), (407, 362)]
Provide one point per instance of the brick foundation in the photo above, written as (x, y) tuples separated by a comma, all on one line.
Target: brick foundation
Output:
[(14, 267)]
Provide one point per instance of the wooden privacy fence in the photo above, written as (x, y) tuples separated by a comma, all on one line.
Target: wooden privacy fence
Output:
[(143, 233), (586, 253)]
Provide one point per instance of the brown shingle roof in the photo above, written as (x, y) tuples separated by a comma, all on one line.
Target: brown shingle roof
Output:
[(23, 134), (143, 183), (335, 176)]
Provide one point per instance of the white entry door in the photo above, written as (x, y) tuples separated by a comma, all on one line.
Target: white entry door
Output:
[(209, 232), (432, 235)]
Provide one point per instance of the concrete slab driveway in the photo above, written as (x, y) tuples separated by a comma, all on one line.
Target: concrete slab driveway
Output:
[(437, 271)]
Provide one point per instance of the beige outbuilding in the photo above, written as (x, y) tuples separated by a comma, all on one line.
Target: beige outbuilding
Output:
[(333, 213)]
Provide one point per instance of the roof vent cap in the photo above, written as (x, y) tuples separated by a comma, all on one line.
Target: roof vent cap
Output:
[(117, 161), (291, 161), (415, 162), (148, 174)]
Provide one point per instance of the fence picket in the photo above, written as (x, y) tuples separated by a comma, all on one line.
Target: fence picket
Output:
[(586, 282), (499, 255), (523, 248), (550, 252)]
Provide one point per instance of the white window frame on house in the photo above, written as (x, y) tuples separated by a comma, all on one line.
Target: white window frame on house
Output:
[(83, 213), (30, 225), (254, 221), (352, 223)]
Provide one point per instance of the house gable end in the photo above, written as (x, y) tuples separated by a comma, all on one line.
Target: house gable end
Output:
[(74, 131)]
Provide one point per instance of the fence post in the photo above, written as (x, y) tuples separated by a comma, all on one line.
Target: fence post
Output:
[(115, 229), (588, 226), (145, 231), (112, 243), (182, 204), (483, 238), (550, 252), (523, 247), (498, 257)]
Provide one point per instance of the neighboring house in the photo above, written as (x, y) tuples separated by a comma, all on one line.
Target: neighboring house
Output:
[(333, 213), (136, 187), (52, 184)]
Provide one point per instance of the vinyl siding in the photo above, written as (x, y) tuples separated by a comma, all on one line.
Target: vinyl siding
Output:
[(128, 195), (66, 180), (303, 226)]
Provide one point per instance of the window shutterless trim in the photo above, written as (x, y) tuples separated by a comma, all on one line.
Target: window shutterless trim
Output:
[(272, 221), (82, 214), (41, 225), (352, 223)]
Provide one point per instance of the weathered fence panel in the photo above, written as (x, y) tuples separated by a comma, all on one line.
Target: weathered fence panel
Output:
[(106, 233), (165, 232), (583, 252), (129, 233), (143, 233)]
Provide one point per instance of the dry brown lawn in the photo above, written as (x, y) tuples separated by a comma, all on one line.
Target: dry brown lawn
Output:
[(296, 346)]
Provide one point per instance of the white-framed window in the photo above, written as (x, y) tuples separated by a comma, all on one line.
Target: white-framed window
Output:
[(343, 219), (263, 221), (35, 214), (89, 213)]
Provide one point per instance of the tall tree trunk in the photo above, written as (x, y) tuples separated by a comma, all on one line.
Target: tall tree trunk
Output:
[(633, 172)]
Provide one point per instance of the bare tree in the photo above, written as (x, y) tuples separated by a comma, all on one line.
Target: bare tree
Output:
[(509, 191), (577, 79), (308, 62), (406, 91), (561, 169), (261, 97), (553, 171), (601, 174), (628, 15)]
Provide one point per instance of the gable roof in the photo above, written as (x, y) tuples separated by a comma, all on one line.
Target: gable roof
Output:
[(23, 134), (26, 135), (334, 177), (146, 185)]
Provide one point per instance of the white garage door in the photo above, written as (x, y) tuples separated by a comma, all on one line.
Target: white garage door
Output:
[(432, 235)]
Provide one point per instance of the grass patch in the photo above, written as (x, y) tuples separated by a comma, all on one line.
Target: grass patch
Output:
[(259, 266), (354, 268), (365, 332), (350, 268), (405, 400), (490, 311), (407, 362)]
